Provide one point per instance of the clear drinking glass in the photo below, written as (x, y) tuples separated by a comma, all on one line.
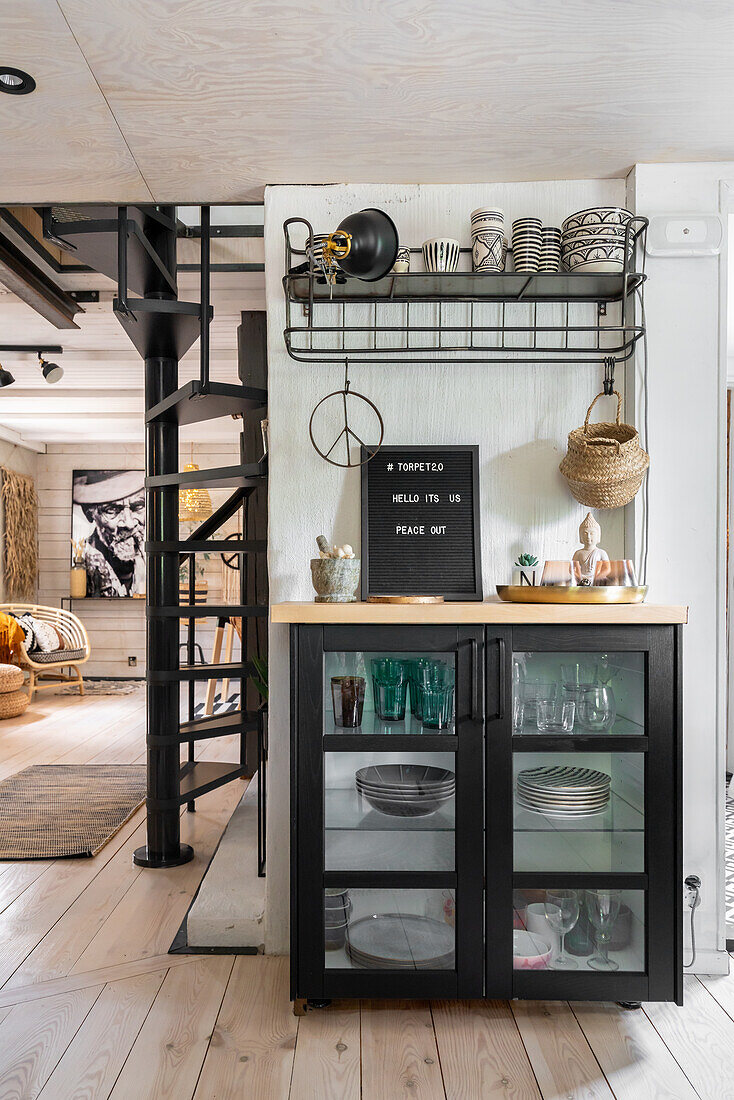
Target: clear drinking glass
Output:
[(518, 713), (555, 716), (597, 709), (603, 909), (562, 912), (534, 691), (436, 691)]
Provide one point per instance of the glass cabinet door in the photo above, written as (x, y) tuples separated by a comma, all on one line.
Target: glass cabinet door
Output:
[(590, 842), (390, 821)]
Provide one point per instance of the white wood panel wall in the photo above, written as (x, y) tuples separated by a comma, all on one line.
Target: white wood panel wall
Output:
[(519, 415), (116, 628)]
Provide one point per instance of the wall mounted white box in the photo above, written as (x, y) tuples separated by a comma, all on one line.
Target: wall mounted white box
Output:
[(685, 235)]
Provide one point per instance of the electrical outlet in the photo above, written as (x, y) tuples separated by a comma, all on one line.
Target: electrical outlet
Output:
[(132, 662)]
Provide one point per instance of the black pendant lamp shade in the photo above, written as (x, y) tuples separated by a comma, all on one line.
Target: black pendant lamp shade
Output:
[(6, 378), (373, 245)]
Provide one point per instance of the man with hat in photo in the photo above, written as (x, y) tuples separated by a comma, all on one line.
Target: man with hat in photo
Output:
[(114, 556)]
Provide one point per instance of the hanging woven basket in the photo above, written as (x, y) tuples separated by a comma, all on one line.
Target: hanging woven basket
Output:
[(605, 464)]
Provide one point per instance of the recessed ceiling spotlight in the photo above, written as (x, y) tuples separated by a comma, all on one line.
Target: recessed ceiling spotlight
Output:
[(15, 81), (6, 378), (52, 372)]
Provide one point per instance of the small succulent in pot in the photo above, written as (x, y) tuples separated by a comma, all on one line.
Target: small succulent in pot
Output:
[(525, 570), (335, 573)]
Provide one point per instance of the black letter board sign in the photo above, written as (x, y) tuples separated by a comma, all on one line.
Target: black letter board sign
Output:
[(420, 523)]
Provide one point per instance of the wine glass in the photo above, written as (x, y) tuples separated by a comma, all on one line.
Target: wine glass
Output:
[(603, 909), (562, 912)]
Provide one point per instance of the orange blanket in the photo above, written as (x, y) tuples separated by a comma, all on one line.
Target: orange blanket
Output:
[(11, 640)]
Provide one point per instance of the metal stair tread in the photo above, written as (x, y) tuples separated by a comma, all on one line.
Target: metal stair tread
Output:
[(222, 477), (194, 403)]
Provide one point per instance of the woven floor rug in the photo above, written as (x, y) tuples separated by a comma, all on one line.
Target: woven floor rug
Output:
[(54, 810), (102, 687)]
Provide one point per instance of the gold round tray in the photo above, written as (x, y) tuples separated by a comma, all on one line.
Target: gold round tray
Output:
[(571, 593)]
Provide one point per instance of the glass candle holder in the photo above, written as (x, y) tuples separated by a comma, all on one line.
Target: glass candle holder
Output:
[(347, 698)]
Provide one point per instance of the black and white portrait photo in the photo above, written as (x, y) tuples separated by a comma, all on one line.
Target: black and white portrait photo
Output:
[(108, 513)]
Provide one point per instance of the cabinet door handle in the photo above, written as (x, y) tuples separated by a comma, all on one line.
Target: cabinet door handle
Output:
[(501, 678), (475, 716)]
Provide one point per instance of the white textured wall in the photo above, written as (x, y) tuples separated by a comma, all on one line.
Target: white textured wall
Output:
[(686, 306), (519, 415)]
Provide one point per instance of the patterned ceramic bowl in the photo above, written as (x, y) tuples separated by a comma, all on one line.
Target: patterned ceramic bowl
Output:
[(595, 216)]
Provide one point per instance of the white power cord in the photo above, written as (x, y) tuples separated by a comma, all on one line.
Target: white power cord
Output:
[(693, 897)]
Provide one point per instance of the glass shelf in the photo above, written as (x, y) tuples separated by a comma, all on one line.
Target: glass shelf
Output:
[(437, 906), (611, 841), (371, 724), (627, 932)]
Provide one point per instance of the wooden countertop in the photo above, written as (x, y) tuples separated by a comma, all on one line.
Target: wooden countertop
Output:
[(491, 610)]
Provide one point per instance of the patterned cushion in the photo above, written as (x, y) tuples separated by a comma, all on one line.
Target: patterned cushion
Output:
[(57, 656)]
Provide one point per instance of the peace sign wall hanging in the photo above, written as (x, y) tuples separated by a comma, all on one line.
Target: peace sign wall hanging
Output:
[(349, 403)]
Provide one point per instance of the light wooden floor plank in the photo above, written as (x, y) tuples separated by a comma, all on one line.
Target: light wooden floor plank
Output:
[(93, 1060), (481, 1051), (700, 1036), (327, 1061), (721, 988), (149, 914), (560, 1056), (252, 1048), (18, 877), (40, 990), (69, 937), (33, 1038), (166, 1058), (635, 1060), (24, 923), (399, 1052)]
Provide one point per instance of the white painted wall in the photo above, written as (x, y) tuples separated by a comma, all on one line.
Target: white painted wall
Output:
[(519, 415), (116, 628), (687, 391)]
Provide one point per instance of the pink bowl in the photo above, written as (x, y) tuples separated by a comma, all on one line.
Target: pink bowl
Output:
[(529, 952)]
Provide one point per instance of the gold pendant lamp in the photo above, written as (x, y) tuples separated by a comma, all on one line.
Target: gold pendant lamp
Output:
[(193, 504)]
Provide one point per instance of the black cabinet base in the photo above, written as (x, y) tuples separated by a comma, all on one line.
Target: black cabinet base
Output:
[(141, 858)]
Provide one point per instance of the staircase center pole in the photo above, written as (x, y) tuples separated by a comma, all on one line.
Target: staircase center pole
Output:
[(164, 847)]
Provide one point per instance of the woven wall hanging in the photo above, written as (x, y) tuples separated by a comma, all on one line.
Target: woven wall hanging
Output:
[(20, 541)]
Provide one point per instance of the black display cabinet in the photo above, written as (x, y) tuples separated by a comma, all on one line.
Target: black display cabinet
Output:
[(462, 894)]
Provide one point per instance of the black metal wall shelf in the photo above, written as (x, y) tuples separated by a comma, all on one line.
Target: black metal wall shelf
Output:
[(463, 316)]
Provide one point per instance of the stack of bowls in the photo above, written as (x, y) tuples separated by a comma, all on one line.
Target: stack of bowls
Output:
[(489, 246), (526, 241), (405, 790), (593, 240), (337, 910)]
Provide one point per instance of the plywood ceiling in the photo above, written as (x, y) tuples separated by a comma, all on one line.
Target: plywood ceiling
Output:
[(210, 100)]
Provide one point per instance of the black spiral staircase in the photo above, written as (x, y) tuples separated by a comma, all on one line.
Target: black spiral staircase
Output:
[(137, 247)]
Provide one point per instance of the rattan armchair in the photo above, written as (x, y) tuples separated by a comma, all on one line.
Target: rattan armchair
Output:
[(48, 666)]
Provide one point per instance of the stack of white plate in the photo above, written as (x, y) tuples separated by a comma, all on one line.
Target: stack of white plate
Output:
[(563, 791), (594, 240), (405, 790), (400, 941)]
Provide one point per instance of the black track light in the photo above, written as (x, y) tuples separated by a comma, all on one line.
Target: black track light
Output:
[(6, 378), (52, 372)]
